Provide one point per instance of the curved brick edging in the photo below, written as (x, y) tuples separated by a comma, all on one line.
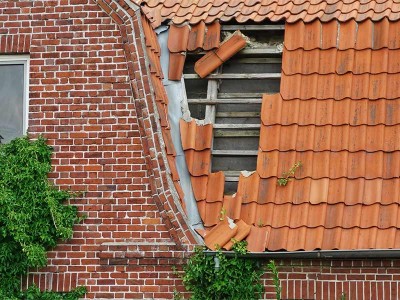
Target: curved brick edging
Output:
[(128, 19)]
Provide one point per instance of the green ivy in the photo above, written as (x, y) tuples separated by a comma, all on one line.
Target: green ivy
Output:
[(221, 277), (33, 216)]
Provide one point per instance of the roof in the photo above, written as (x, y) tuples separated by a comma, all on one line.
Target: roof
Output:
[(338, 112), (241, 11)]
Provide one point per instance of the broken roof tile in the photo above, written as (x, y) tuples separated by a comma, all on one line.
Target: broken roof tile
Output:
[(242, 233), (213, 59), (195, 136), (220, 234)]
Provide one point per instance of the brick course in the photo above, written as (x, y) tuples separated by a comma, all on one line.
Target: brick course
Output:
[(90, 96)]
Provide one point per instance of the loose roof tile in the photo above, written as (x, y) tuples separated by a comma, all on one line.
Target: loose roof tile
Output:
[(220, 234), (213, 59), (184, 38)]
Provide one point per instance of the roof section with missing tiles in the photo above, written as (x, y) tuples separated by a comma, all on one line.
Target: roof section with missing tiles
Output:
[(348, 185), (241, 11), (340, 118)]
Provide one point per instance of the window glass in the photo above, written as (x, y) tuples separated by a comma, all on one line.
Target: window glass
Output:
[(12, 89)]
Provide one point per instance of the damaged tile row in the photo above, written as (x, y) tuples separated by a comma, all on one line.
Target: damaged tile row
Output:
[(301, 238), (161, 100), (208, 11), (325, 215), (189, 38), (200, 37)]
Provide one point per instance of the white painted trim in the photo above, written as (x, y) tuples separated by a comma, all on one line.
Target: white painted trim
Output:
[(18, 60)]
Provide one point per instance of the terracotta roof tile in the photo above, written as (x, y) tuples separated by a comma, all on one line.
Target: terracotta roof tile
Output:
[(338, 111), (196, 36), (212, 214), (199, 185), (273, 10), (257, 239), (213, 59), (215, 187), (198, 162), (176, 63), (242, 233), (220, 234), (194, 136), (191, 38)]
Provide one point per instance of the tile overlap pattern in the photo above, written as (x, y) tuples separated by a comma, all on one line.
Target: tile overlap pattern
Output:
[(241, 11), (337, 112)]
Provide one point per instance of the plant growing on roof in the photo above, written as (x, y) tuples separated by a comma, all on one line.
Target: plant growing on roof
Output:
[(32, 217), (218, 277), (288, 176)]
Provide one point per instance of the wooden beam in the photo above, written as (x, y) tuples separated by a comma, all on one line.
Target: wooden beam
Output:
[(237, 126), (238, 114), (252, 27), (240, 95), (235, 152), (226, 101), (222, 133), (237, 76)]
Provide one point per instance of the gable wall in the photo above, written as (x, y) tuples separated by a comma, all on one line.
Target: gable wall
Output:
[(93, 108)]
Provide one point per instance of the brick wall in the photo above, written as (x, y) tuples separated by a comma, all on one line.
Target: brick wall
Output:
[(328, 279), (89, 95)]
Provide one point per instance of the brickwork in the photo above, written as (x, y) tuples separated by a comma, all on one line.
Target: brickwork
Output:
[(89, 95), (329, 279)]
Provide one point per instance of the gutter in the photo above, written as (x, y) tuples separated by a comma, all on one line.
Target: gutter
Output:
[(319, 254)]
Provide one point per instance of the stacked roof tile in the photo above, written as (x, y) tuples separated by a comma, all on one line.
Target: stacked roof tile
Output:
[(208, 11), (189, 38)]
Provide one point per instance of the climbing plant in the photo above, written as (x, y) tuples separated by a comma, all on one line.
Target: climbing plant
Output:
[(33, 216), (221, 277)]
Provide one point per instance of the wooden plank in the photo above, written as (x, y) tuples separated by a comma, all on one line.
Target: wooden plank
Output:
[(212, 91), (231, 179), (220, 133), (238, 114), (237, 126), (226, 101), (235, 152), (252, 27), (239, 95), (257, 60), (261, 51), (237, 76), (247, 51), (232, 176)]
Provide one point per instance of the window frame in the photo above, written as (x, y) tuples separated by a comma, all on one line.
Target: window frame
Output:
[(21, 59)]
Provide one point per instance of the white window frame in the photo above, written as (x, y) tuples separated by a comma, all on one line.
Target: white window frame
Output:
[(20, 60)]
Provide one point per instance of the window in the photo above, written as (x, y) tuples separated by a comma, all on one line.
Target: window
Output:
[(14, 70), (230, 97)]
